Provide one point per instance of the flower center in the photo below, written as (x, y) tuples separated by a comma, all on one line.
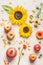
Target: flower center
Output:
[(26, 29), (18, 15)]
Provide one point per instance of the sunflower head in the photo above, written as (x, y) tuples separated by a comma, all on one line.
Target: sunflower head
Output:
[(18, 15), (25, 30)]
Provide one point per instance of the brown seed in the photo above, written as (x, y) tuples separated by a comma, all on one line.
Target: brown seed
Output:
[(40, 56), (30, 21), (4, 62), (41, 19), (19, 48), (22, 53), (28, 45), (31, 16), (7, 63), (9, 42), (36, 25), (28, 48), (10, 2), (1, 24), (39, 42), (2, 36), (4, 41), (33, 11)]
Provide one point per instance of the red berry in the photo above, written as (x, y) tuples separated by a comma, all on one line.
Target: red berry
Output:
[(37, 47), (11, 52)]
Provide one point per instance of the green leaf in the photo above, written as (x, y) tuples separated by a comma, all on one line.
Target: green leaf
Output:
[(7, 8)]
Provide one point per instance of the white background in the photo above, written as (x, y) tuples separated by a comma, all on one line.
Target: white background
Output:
[(29, 5)]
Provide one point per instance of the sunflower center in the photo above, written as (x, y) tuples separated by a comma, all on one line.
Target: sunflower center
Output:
[(26, 29), (18, 15)]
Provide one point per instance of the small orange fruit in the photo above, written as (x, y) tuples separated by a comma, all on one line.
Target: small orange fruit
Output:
[(32, 57), (39, 34), (7, 28), (10, 35)]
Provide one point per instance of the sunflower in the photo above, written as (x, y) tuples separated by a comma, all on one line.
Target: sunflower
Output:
[(18, 15), (25, 30)]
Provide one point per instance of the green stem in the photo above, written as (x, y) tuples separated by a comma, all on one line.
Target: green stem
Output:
[(20, 54)]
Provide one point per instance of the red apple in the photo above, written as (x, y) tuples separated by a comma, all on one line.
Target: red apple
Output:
[(37, 47), (11, 52)]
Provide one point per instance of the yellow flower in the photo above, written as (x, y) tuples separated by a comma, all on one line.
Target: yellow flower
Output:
[(18, 15), (25, 30)]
